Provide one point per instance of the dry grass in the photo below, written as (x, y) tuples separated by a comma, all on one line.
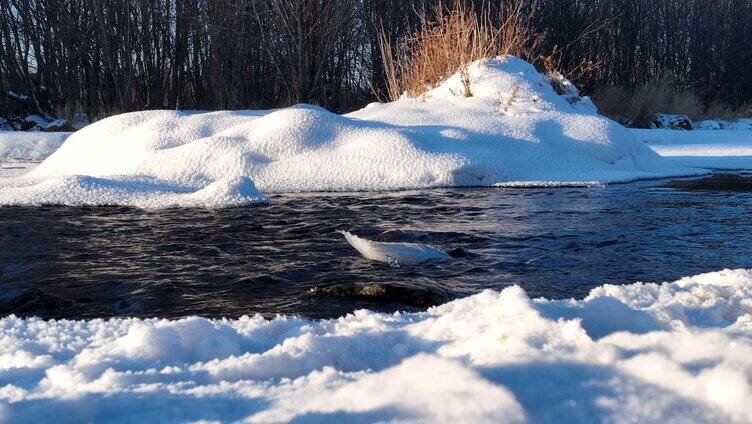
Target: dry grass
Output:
[(722, 110), (636, 105), (552, 65), (459, 35), (450, 42)]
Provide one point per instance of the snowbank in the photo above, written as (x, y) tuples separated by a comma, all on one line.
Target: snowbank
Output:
[(720, 149), (515, 128), (29, 146), (676, 352), (22, 151)]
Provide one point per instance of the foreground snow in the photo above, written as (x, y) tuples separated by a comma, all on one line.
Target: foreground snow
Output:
[(515, 129), (677, 352), (720, 149)]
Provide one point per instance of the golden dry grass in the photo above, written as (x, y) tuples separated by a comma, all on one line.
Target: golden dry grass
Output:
[(638, 104), (661, 95), (448, 43), (722, 110)]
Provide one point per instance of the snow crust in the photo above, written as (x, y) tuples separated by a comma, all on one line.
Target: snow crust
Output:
[(719, 149), (514, 128), (672, 352)]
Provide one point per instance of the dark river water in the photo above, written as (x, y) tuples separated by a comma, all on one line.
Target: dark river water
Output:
[(287, 257)]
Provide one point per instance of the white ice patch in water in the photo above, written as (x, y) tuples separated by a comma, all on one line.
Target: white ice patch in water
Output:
[(513, 128), (673, 352), (394, 253)]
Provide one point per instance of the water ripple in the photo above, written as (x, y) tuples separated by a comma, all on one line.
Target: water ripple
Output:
[(114, 261)]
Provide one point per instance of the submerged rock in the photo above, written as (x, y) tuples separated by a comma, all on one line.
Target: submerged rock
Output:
[(381, 292), (459, 252), (41, 303)]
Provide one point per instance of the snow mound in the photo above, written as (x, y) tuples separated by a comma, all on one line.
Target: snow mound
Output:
[(514, 128), (673, 352)]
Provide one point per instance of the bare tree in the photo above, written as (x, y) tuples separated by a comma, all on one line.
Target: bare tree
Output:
[(99, 57)]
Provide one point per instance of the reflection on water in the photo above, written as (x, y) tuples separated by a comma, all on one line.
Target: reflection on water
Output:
[(561, 242)]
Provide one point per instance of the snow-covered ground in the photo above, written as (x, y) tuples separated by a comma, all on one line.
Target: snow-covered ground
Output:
[(514, 129), (29, 146), (22, 151), (718, 124), (673, 352), (719, 149)]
